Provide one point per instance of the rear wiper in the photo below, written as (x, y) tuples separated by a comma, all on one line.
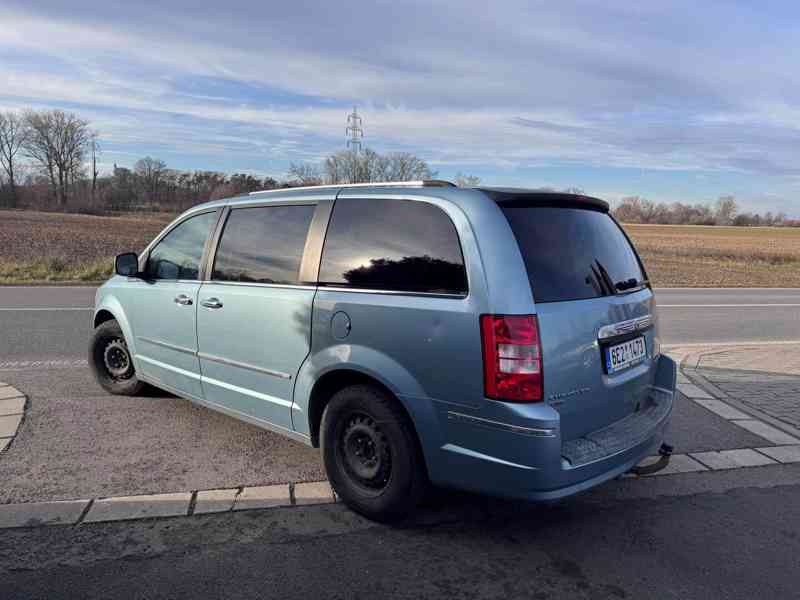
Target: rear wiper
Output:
[(600, 284), (609, 284)]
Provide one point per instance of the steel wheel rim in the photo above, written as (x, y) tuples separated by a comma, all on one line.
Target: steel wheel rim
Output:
[(117, 360), (364, 453)]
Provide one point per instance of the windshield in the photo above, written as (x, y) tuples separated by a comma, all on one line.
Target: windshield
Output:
[(573, 253)]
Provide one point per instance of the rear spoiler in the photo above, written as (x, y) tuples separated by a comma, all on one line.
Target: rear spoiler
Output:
[(530, 198)]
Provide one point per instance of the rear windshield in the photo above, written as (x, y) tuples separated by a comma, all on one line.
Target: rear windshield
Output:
[(573, 253)]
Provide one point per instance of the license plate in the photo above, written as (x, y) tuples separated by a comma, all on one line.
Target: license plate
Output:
[(627, 354)]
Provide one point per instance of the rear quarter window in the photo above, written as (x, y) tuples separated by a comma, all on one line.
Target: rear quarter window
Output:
[(393, 245), (573, 253)]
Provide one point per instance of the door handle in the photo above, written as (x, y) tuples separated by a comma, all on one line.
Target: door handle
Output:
[(183, 299), (211, 303)]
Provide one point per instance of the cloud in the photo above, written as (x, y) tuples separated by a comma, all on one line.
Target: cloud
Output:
[(678, 88)]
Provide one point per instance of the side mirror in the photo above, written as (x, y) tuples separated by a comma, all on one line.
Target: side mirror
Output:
[(127, 264)]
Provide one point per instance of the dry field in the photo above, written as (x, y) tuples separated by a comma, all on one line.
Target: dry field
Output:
[(55, 247), (38, 247), (695, 255)]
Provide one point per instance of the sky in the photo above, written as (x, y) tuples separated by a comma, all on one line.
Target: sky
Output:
[(673, 101)]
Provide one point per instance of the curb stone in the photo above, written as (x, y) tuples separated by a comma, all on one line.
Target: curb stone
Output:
[(77, 512), (309, 494), (174, 504), (706, 394), (12, 411)]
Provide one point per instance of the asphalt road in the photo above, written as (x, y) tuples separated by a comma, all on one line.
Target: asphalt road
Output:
[(723, 315), (678, 537), (52, 323), (729, 534)]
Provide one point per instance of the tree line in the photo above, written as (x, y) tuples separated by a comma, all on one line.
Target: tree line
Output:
[(48, 160), (725, 211)]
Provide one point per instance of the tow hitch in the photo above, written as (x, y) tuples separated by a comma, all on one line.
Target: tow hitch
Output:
[(665, 453)]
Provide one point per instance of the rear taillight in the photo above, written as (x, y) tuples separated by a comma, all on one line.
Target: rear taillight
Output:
[(512, 358)]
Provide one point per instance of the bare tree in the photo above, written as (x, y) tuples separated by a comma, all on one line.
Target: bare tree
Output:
[(12, 138), (151, 171), (370, 167), (58, 142), (404, 166), (95, 150), (305, 173), (725, 210), (344, 167), (467, 181)]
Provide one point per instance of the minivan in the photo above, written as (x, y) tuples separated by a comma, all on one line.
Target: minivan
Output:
[(497, 340)]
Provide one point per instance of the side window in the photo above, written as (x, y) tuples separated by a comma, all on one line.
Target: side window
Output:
[(178, 254), (399, 245), (263, 244)]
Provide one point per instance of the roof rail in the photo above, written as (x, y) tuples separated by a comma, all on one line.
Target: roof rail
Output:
[(421, 183)]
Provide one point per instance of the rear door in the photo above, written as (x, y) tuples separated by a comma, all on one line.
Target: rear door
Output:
[(595, 312), (253, 319)]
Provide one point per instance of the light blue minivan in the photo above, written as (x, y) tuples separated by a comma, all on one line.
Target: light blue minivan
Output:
[(498, 340)]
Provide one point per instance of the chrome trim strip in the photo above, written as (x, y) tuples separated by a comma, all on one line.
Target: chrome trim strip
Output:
[(487, 423), (168, 346), (478, 455), (623, 327), (263, 285), (168, 367), (241, 365), (246, 392), (335, 288)]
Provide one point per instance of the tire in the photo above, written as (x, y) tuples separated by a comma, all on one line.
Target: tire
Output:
[(371, 453), (111, 362)]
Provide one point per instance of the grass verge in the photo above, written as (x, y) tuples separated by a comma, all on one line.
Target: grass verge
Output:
[(55, 270)]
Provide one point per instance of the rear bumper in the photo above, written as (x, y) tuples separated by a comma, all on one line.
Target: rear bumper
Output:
[(521, 455)]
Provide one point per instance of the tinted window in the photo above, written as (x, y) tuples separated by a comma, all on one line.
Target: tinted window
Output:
[(573, 254), (392, 245), (178, 254), (263, 245)]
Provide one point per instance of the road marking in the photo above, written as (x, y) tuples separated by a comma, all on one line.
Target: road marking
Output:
[(51, 308), (73, 287), (724, 305), (13, 365), (732, 344)]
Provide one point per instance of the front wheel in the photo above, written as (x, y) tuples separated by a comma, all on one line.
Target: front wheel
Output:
[(111, 362), (371, 453)]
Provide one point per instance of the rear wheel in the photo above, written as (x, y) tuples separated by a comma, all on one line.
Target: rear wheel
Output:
[(111, 362), (371, 453)]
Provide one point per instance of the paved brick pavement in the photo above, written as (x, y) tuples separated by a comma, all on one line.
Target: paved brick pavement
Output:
[(766, 378)]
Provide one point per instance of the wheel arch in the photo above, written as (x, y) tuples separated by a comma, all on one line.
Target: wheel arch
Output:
[(109, 309), (332, 382), (336, 380), (101, 316)]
